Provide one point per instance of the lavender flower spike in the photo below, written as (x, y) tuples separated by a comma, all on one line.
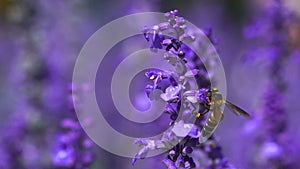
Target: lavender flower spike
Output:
[(182, 139)]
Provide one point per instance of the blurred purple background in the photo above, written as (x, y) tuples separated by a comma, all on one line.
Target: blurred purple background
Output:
[(39, 43)]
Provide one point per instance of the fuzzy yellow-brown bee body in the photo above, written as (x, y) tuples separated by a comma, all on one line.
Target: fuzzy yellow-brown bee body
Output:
[(215, 101)]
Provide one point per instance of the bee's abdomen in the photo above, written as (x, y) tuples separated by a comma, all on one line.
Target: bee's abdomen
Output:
[(210, 125)]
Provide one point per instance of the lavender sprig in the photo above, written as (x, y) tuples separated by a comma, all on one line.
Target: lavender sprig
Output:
[(182, 140)]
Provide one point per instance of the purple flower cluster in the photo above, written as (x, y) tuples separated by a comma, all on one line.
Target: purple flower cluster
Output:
[(185, 103)]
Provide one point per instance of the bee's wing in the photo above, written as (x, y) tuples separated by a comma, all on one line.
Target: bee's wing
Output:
[(236, 110)]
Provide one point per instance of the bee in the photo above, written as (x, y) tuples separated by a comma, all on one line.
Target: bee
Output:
[(212, 100)]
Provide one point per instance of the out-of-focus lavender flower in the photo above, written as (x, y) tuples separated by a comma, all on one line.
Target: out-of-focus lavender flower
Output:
[(272, 30), (73, 148), (11, 143)]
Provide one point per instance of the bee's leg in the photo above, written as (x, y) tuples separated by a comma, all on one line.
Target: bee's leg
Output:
[(205, 111), (200, 114)]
